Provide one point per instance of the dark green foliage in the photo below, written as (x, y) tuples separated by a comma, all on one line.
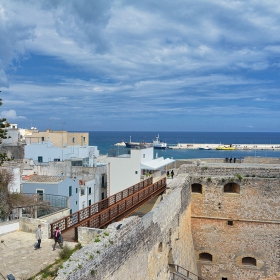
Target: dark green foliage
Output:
[(65, 253)]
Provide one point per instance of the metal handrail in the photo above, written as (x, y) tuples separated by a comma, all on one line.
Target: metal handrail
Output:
[(181, 272), (176, 276), (76, 218)]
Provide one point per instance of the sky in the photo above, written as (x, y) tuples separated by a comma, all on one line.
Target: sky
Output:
[(149, 65)]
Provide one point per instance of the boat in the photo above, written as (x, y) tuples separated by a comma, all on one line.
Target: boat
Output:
[(121, 144), (133, 145), (225, 148), (157, 144), (205, 148)]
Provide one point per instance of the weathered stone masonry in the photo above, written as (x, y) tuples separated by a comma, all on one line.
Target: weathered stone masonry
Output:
[(238, 224), (227, 228), (142, 247)]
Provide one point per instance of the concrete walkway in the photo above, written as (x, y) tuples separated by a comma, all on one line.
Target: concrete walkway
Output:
[(18, 257)]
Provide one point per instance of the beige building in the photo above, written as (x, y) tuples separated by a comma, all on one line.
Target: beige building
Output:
[(58, 138)]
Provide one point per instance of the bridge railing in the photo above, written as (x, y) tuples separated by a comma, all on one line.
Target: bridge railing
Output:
[(110, 214), (76, 218)]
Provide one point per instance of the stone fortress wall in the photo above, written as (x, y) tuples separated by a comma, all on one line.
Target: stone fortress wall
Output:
[(139, 248), (213, 217), (236, 215)]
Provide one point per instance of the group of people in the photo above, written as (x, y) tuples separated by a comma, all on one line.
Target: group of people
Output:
[(171, 174), (57, 238), (234, 159)]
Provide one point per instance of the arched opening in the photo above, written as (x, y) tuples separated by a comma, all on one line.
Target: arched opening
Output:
[(196, 188), (232, 188), (160, 247), (206, 257), (249, 261)]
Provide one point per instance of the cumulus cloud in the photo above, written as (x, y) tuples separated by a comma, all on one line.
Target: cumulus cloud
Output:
[(98, 59), (11, 115)]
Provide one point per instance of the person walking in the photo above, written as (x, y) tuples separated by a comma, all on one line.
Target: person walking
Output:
[(57, 238), (234, 160), (38, 237), (172, 174)]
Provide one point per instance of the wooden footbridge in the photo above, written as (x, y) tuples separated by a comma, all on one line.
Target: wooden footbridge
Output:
[(108, 210)]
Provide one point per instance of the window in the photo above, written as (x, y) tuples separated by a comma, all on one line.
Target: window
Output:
[(43, 139), (136, 172), (206, 257), (89, 190), (73, 139), (76, 190), (70, 211), (143, 155), (232, 188), (84, 139), (70, 190), (249, 261), (230, 223), (102, 196), (40, 193), (89, 202), (76, 202), (77, 163), (40, 159), (196, 188), (82, 191)]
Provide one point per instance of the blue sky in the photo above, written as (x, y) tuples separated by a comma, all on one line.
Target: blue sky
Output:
[(208, 65)]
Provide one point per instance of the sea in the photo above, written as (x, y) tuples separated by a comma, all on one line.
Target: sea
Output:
[(105, 141)]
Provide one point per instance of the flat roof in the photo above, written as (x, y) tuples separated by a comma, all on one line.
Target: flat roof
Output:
[(157, 163)]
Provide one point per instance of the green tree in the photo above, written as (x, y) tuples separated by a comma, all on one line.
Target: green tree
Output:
[(3, 125), (5, 176)]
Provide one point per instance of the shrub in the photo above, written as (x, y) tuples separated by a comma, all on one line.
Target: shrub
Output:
[(239, 177), (65, 253), (209, 179), (92, 272), (96, 239), (78, 246)]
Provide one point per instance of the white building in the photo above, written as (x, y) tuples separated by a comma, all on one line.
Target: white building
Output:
[(46, 152), (13, 136), (75, 163), (127, 167)]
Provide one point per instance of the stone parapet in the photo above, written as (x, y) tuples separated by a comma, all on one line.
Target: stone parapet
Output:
[(139, 248)]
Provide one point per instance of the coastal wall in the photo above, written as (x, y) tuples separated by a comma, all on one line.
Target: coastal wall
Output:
[(255, 199), (229, 244), (231, 170), (242, 223), (140, 248), (212, 219), (203, 161)]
